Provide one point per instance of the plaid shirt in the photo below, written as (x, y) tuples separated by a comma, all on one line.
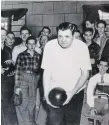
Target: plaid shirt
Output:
[(25, 62)]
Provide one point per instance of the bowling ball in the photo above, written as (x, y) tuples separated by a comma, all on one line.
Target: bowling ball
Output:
[(9, 68), (57, 96)]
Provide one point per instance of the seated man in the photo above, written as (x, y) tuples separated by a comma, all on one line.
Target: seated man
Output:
[(99, 83)]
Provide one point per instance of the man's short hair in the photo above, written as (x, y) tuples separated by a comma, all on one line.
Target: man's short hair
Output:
[(11, 33), (101, 21), (31, 38), (88, 30), (25, 28), (66, 26), (103, 60), (4, 29), (46, 27), (90, 19)]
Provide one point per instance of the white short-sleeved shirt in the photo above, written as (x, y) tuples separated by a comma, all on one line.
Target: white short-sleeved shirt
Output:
[(17, 50), (92, 85), (65, 65)]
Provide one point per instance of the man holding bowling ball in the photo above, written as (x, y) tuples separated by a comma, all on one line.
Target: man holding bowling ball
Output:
[(66, 65)]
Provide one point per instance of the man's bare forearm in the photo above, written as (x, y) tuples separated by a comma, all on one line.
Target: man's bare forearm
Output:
[(81, 81), (46, 82)]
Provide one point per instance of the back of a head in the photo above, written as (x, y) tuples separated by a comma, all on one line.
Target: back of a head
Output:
[(66, 26)]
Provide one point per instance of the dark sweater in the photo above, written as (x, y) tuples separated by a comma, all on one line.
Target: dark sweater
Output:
[(105, 53)]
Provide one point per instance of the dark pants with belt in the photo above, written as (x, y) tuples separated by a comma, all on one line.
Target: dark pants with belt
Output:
[(26, 111), (69, 114)]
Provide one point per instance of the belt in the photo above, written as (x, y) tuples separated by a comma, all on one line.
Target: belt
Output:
[(102, 97), (30, 72)]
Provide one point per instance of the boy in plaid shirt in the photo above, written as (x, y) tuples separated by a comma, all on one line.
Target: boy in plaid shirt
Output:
[(26, 81)]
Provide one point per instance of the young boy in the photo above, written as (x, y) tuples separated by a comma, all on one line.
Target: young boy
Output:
[(96, 104), (26, 81), (93, 48)]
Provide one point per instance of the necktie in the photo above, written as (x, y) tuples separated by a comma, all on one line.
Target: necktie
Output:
[(102, 79)]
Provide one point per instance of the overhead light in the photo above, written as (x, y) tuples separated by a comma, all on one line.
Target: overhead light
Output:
[(103, 15)]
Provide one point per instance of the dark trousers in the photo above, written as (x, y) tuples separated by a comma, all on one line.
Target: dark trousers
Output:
[(7, 90), (69, 114), (7, 87)]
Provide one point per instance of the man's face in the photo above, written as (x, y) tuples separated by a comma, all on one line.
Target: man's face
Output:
[(24, 35), (44, 40), (77, 35), (101, 28), (45, 32), (3, 36), (88, 36), (10, 39), (89, 24), (65, 38), (103, 67), (31, 45)]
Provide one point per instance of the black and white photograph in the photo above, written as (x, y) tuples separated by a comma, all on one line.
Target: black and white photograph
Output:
[(54, 62)]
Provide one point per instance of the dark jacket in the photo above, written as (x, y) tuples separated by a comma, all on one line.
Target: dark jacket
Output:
[(105, 53), (7, 53)]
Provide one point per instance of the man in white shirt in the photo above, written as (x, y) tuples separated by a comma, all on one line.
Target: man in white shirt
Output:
[(99, 105), (66, 63), (24, 34)]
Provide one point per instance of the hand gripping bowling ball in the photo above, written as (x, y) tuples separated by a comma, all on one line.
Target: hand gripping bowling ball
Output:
[(57, 96), (9, 68)]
